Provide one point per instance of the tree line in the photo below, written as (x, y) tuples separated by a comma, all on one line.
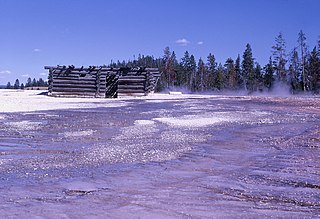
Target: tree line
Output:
[(29, 83), (298, 69)]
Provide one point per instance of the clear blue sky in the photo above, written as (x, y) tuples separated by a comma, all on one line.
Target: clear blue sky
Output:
[(35, 33)]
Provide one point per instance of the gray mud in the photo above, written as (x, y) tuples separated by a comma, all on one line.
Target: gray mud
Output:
[(218, 157)]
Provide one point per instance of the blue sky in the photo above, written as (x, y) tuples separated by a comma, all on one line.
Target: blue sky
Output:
[(35, 33)]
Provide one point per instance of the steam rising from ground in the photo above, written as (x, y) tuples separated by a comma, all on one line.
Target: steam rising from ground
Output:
[(278, 90)]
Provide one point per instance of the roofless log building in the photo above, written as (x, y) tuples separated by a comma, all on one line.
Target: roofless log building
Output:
[(99, 81)]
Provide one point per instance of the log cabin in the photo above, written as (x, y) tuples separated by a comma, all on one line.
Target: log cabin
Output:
[(100, 81)]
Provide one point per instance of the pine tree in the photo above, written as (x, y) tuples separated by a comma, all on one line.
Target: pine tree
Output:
[(318, 51), (221, 78), (16, 84), (22, 86), (40, 82), (193, 69), (268, 76), (279, 56), (8, 86), (314, 71), (238, 73), (185, 74), (201, 73), (248, 69), (211, 67), (29, 82), (257, 78), (180, 82), (166, 68), (318, 55), (295, 72), (170, 64), (303, 52), (231, 74), (173, 69), (34, 82)]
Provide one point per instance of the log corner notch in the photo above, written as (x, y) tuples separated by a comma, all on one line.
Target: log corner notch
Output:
[(101, 81)]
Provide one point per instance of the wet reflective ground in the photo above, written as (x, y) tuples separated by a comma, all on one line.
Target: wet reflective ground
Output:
[(213, 157)]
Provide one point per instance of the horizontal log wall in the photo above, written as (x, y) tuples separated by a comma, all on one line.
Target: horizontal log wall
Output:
[(101, 81)]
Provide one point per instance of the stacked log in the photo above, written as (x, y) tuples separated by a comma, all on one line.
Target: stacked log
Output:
[(101, 81), (70, 82), (131, 84)]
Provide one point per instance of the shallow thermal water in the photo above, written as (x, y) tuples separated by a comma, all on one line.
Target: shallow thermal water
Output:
[(215, 157)]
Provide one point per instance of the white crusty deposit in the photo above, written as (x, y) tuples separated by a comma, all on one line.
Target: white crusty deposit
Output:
[(32, 100)]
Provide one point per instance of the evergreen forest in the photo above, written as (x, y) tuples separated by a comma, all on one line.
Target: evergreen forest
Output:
[(297, 70)]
